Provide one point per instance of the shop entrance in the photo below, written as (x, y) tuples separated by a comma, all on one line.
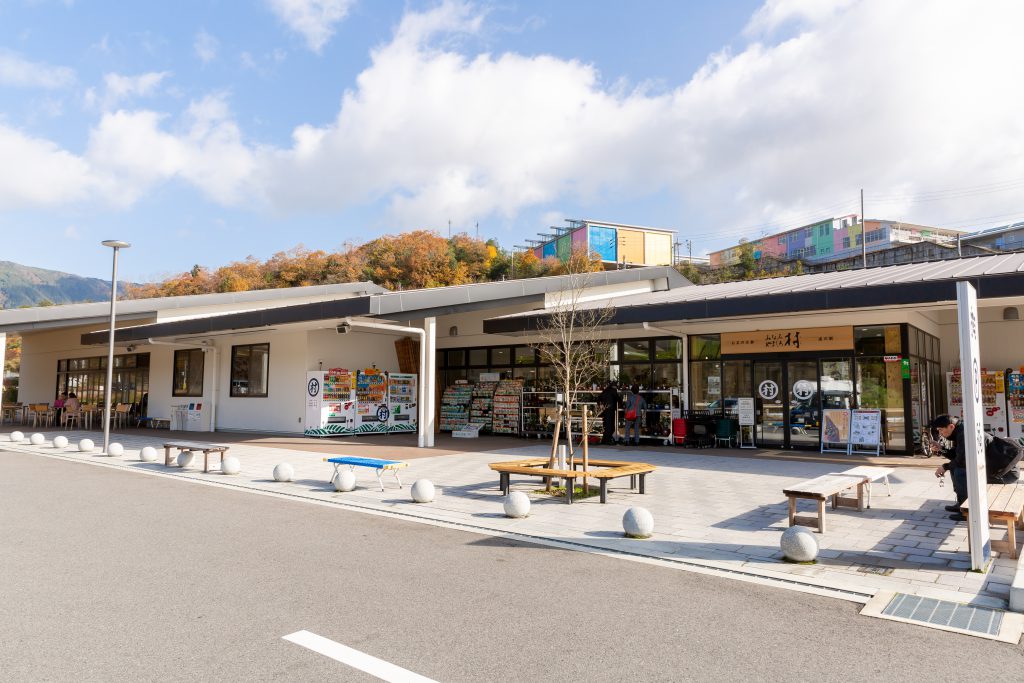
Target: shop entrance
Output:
[(789, 397)]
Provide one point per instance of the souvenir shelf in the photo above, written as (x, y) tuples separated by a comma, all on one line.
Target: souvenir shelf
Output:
[(455, 406), (482, 405), (507, 407)]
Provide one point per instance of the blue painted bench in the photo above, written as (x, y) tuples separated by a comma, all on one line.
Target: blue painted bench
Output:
[(354, 461)]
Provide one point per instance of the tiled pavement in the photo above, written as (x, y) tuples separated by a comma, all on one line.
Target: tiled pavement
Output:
[(723, 513)]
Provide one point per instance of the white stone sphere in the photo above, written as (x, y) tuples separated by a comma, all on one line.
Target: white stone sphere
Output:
[(422, 491), (60, 441), (344, 480), (115, 449), (86, 445), (638, 522), (230, 465), (284, 472), (517, 504), (185, 458), (17, 436), (37, 439), (147, 454), (799, 544)]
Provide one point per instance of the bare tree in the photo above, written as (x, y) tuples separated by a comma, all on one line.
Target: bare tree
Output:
[(574, 343)]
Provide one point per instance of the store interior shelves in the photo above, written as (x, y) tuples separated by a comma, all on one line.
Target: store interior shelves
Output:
[(455, 406), (507, 407)]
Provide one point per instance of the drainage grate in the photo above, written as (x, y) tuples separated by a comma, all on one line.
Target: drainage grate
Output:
[(944, 613)]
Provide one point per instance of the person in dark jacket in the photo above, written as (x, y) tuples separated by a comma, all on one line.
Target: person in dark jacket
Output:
[(608, 400), (952, 431), (636, 406)]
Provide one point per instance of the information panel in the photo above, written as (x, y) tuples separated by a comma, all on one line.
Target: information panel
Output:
[(866, 431), (835, 430)]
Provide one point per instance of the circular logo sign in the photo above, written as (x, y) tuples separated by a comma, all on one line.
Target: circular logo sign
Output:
[(768, 390), (313, 387), (803, 389), (383, 413)]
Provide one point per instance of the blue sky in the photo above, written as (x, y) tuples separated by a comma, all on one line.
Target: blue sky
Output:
[(205, 132)]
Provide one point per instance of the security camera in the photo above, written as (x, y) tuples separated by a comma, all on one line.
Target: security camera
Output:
[(131, 348), (344, 328)]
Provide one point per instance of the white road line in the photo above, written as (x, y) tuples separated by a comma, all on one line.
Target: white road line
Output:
[(385, 671)]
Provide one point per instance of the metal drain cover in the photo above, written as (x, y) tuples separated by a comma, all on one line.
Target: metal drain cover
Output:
[(984, 622)]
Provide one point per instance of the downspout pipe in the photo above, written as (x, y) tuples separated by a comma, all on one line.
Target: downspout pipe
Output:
[(421, 386)]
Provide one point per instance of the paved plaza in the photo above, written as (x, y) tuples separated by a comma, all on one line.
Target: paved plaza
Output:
[(712, 512)]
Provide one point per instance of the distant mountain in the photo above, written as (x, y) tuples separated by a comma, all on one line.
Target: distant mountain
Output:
[(26, 286)]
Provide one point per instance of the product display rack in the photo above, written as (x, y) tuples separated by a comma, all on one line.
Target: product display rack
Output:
[(540, 410), (507, 407), (455, 406), (482, 406)]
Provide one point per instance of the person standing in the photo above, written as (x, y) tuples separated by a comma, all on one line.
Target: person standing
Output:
[(952, 432), (608, 401), (636, 406)]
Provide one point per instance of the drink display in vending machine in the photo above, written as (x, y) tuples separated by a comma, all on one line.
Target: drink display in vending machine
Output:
[(401, 402), (330, 404), (1015, 405), (993, 399), (372, 411)]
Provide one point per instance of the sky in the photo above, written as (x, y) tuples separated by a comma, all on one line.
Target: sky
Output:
[(207, 131)]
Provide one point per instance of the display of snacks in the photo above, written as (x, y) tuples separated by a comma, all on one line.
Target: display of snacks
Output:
[(507, 407), (455, 406), (482, 406)]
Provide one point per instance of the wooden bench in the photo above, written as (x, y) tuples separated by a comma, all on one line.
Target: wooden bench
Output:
[(505, 469), (873, 474), (636, 471), (1005, 506), (206, 448), (610, 469), (821, 489)]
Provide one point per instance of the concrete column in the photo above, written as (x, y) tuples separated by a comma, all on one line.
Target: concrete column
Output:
[(3, 361), (430, 377)]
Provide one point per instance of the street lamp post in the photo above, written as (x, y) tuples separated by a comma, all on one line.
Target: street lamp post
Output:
[(116, 245)]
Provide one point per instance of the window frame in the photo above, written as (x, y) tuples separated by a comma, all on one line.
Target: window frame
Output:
[(175, 392), (231, 377)]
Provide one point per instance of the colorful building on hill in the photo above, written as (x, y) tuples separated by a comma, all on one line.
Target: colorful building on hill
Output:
[(616, 244), (833, 239)]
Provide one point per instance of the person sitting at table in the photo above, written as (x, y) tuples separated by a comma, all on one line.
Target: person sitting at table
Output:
[(58, 406), (71, 406)]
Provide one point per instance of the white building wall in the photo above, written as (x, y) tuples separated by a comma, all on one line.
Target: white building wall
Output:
[(1001, 343)]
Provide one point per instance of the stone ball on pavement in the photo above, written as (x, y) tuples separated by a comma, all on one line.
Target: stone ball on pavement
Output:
[(344, 480), (799, 544), (284, 472), (517, 504), (230, 465), (37, 439), (86, 445), (638, 522), (115, 449), (147, 454), (17, 436), (60, 441), (185, 458), (422, 491)]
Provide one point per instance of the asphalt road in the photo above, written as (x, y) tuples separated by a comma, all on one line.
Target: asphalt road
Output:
[(108, 575)]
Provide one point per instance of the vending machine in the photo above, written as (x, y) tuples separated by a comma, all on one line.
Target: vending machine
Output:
[(1015, 405), (330, 403), (993, 399), (401, 402), (372, 411)]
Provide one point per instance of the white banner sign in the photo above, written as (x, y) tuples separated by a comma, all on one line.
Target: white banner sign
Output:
[(746, 410), (974, 427)]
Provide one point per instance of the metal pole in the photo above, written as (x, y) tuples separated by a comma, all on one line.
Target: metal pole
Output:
[(107, 389), (863, 231)]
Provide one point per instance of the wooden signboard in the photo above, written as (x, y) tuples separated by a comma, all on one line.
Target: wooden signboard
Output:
[(835, 430), (790, 340)]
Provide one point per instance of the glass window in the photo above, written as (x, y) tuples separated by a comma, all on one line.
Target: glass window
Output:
[(440, 359), (528, 375), (705, 347), (250, 365), (525, 355), (736, 384), (500, 355), (478, 357), (705, 385), (877, 340), (935, 349), (667, 375), (456, 358), (668, 349), (636, 350), (880, 385), (914, 340), (188, 372)]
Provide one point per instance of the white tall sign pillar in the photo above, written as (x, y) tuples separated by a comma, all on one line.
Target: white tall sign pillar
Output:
[(3, 361), (974, 429), (430, 377)]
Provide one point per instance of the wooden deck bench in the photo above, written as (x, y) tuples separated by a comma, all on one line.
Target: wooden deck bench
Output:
[(608, 470), (206, 448), (505, 469), (636, 471), (1005, 506), (821, 489)]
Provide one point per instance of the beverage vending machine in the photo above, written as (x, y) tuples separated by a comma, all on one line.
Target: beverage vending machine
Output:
[(993, 399), (330, 403), (1015, 405), (372, 411), (401, 402)]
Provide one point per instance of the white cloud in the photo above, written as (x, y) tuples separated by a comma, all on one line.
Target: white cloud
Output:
[(17, 71), (37, 173), (119, 88), (206, 47), (314, 20), (72, 233)]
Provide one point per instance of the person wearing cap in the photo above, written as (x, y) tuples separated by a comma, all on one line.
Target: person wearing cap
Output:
[(952, 431)]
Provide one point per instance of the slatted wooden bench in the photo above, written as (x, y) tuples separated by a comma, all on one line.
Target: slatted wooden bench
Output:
[(206, 448), (608, 470), (505, 469), (1005, 506), (821, 489)]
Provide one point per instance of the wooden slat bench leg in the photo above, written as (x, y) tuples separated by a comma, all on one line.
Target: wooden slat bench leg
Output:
[(792, 510), (821, 516), (1011, 538)]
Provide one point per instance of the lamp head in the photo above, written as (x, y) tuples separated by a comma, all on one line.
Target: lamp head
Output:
[(116, 244)]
